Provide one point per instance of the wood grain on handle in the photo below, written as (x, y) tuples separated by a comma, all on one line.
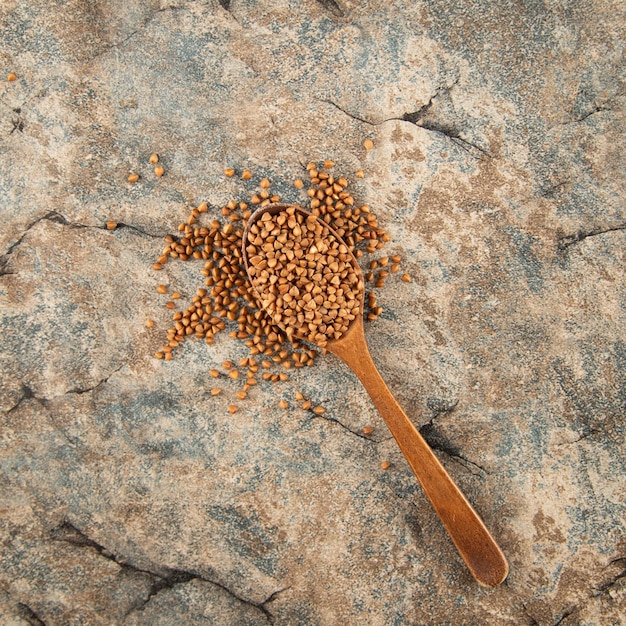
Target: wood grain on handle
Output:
[(475, 544)]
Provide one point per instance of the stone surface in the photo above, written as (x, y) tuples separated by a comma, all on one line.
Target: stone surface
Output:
[(130, 495)]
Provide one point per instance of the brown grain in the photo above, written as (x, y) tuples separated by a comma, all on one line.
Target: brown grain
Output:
[(227, 302), (304, 275)]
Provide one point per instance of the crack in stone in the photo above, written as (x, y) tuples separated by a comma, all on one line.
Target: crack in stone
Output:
[(439, 443), (415, 118), (54, 216), (28, 393), (167, 578), (27, 613), (585, 434), (137, 229), (436, 442), (102, 381), (552, 190), (454, 135), (334, 420), (611, 583), (600, 591), (565, 241), (599, 108), (143, 24), (354, 117), (428, 431), (333, 7)]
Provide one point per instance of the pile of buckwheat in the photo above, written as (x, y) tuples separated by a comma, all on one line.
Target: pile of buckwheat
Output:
[(226, 300)]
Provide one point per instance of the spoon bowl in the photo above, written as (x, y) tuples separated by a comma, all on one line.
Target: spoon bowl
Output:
[(469, 534)]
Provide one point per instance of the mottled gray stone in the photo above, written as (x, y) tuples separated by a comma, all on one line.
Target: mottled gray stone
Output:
[(130, 495)]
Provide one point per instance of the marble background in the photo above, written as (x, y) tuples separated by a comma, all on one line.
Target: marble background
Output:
[(129, 495)]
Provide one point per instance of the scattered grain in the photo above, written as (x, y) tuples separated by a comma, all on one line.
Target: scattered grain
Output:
[(111, 225), (12, 77), (161, 289), (233, 409), (368, 144), (228, 172), (159, 170), (154, 158), (216, 391), (227, 302), (385, 465), (306, 405), (406, 278), (368, 430), (319, 410), (283, 404), (133, 178), (149, 323)]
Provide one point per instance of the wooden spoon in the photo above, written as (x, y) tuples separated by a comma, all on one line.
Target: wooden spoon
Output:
[(475, 544)]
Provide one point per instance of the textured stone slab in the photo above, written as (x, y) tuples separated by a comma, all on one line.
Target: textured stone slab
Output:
[(130, 494)]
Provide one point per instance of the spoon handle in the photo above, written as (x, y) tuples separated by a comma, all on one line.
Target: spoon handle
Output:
[(475, 544)]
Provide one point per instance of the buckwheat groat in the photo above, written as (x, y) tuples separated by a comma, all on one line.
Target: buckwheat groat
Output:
[(305, 276)]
